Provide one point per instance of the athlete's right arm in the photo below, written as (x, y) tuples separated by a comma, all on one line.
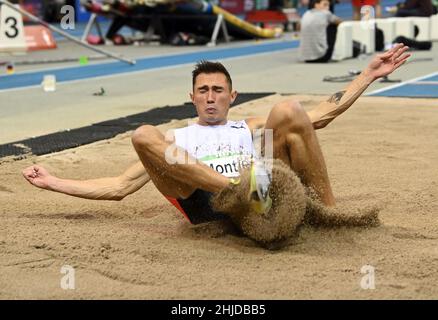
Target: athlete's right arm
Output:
[(111, 188)]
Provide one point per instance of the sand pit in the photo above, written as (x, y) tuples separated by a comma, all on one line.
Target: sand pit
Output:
[(293, 205), (277, 224), (381, 155)]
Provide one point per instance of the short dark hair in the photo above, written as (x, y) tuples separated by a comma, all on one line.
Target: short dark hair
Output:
[(208, 67), (313, 2)]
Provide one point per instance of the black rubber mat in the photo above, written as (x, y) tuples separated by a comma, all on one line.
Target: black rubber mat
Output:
[(59, 141)]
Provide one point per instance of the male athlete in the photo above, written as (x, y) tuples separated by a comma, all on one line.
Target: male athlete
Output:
[(214, 148)]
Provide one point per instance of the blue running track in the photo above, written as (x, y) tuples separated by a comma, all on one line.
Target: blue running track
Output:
[(424, 87), (34, 78)]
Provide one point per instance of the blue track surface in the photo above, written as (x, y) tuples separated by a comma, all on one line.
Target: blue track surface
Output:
[(28, 79), (434, 78), (425, 87)]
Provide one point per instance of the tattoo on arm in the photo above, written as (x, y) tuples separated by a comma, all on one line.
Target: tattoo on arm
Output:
[(336, 98)]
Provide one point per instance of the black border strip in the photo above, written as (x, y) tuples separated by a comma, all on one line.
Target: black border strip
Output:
[(63, 140)]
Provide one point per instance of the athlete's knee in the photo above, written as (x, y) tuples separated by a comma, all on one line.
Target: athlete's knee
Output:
[(145, 136), (291, 114)]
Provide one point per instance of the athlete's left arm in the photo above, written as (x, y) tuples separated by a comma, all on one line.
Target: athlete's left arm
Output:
[(381, 65)]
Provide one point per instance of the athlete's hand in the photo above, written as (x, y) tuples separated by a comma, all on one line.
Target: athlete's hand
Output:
[(386, 63), (37, 176)]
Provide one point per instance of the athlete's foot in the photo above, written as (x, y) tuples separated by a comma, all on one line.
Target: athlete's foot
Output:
[(260, 181)]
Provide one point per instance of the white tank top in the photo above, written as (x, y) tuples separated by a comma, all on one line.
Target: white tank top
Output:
[(225, 148)]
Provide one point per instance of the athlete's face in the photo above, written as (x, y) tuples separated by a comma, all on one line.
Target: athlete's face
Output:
[(323, 5), (212, 97)]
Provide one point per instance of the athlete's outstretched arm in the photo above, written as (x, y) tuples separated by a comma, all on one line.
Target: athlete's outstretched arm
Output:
[(381, 65), (111, 188)]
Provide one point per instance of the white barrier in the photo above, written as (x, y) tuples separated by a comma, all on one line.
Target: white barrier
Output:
[(344, 42), (423, 24), (404, 27), (388, 27), (365, 33), (393, 27), (434, 27)]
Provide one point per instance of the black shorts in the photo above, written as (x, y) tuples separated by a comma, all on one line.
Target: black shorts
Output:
[(197, 208)]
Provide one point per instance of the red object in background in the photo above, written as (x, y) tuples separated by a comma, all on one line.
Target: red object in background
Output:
[(29, 8), (33, 7), (119, 40), (267, 17), (39, 38), (95, 40), (233, 6), (94, 7), (360, 3)]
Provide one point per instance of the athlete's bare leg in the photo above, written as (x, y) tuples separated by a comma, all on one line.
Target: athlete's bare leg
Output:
[(295, 142), (178, 180)]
